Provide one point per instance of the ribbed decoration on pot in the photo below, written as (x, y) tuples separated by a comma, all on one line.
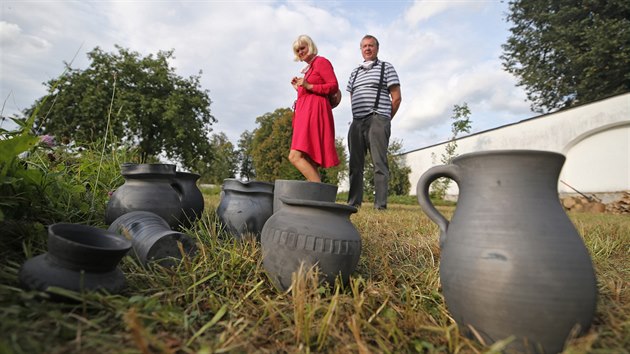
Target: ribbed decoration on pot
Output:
[(152, 238)]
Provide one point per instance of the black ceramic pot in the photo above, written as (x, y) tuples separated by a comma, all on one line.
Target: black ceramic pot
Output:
[(79, 258), (303, 190), (185, 183), (245, 207), (147, 187), (152, 238), (310, 233)]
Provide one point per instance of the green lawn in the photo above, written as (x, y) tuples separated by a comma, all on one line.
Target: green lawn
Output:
[(222, 301)]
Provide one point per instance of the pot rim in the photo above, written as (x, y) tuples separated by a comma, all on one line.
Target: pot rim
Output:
[(318, 203), (189, 175), (233, 184), (295, 181), (508, 152), (134, 169), (67, 233)]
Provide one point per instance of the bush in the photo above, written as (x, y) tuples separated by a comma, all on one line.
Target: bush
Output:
[(43, 181)]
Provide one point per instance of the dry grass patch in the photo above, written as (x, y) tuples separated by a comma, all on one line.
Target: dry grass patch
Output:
[(221, 300)]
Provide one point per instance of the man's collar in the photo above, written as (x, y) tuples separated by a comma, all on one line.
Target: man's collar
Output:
[(369, 64)]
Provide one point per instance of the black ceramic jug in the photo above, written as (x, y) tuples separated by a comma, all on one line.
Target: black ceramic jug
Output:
[(512, 263), (245, 207)]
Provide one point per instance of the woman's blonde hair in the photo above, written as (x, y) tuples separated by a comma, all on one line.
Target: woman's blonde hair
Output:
[(304, 40)]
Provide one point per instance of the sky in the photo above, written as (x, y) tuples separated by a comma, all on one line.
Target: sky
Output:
[(446, 53)]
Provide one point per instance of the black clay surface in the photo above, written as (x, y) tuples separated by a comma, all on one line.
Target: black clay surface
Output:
[(191, 197), (245, 207), (147, 187), (310, 233), (153, 239), (79, 258)]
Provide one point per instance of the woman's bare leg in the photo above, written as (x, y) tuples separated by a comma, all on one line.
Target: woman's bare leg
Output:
[(305, 165)]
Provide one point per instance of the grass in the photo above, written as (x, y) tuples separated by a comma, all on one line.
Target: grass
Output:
[(221, 300)]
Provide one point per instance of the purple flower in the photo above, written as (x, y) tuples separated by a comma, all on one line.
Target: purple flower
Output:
[(47, 140)]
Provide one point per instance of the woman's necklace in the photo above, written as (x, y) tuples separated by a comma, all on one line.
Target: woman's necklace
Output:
[(308, 67)]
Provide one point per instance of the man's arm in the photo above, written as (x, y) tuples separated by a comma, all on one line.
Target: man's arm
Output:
[(394, 92)]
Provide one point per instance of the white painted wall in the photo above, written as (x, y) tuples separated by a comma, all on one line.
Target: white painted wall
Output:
[(595, 138)]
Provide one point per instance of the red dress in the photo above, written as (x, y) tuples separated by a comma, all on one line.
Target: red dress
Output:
[(313, 124)]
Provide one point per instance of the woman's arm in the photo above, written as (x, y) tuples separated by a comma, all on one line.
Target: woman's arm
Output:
[(324, 69)]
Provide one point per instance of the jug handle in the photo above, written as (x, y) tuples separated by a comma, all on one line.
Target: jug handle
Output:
[(422, 192), (178, 188)]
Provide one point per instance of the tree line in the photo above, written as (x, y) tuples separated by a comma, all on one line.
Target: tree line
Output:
[(563, 53), (129, 101)]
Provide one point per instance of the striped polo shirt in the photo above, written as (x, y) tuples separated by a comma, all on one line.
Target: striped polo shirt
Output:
[(365, 87)]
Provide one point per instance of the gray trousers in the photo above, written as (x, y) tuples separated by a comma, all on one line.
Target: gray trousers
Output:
[(369, 133)]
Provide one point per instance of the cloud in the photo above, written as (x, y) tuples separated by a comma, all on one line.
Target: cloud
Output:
[(423, 10), (243, 50), (489, 93), (445, 53), (12, 36)]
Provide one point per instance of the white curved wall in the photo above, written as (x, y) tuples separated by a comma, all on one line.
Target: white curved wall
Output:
[(600, 162), (594, 138)]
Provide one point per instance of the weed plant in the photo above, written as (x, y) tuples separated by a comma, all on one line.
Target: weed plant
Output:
[(221, 300), (43, 181)]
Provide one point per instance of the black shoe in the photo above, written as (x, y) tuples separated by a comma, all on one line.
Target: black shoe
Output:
[(381, 208)]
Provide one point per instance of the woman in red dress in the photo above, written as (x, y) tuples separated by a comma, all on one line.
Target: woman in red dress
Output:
[(313, 142)]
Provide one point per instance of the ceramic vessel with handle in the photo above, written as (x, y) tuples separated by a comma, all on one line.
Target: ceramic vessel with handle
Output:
[(512, 263)]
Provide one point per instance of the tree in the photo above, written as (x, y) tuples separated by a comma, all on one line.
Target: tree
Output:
[(224, 162), (271, 145), (337, 173), (398, 172), (270, 148), (568, 52), (245, 161), (139, 100), (461, 124)]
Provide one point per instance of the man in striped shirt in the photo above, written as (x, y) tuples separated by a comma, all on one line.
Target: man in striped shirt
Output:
[(375, 95)]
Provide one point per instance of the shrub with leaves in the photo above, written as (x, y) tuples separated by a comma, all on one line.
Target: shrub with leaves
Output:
[(461, 124), (18, 183), (43, 181)]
